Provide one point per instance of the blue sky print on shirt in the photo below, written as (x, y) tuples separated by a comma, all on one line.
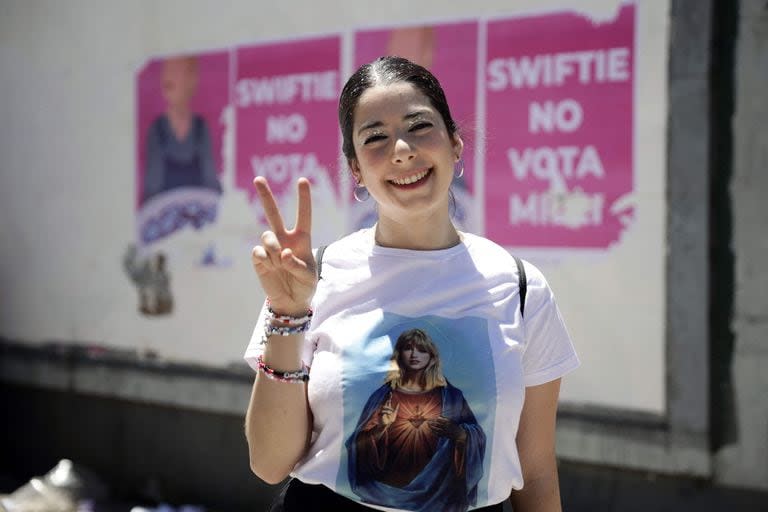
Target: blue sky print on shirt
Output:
[(418, 450)]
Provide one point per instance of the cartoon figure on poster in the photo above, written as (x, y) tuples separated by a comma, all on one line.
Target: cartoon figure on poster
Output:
[(179, 158), (445, 50), (179, 152), (178, 184), (417, 439)]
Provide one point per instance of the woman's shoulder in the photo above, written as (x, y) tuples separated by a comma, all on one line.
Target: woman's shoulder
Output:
[(494, 254), (483, 248), (159, 125), (200, 123), (161, 121), (356, 242)]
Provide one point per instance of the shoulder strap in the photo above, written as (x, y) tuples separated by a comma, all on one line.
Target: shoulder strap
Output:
[(319, 260), (522, 283), (162, 131), (199, 127)]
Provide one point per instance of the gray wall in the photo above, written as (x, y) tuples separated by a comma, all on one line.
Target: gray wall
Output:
[(744, 462)]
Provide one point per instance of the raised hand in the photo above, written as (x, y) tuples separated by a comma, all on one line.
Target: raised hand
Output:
[(387, 415), (284, 262)]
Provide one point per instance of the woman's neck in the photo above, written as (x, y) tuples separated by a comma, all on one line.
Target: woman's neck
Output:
[(412, 385), (417, 234), (179, 112), (180, 119)]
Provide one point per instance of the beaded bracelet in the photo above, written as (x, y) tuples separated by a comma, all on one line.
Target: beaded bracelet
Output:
[(284, 325), (287, 319), (282, 330), (285, 330), (295, 377)]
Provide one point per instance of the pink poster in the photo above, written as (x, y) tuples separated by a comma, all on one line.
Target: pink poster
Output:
[(559, 105), (286, 95), (449, 51), (180, 102)]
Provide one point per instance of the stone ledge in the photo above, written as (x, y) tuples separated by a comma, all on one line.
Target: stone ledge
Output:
[(125, 376), (602, 436)]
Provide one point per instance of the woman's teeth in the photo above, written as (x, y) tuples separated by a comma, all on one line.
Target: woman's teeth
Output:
[(411, 179)]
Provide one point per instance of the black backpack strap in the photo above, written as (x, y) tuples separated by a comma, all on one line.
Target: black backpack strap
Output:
[(319, 260), (199, 127), (162, 132), (522, 283)]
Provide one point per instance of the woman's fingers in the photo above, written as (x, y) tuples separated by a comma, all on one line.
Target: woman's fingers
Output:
[(268, 203), (260, 260), (304, 211), (388, 409), (272, 246), (282, 264), (266, 257), (272, 212), (284, 260), (299, 268)]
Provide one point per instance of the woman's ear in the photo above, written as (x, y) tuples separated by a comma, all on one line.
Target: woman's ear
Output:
[(355, 168), (458, 146)]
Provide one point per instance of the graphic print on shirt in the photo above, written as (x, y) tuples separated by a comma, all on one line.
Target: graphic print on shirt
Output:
[(416, 423)]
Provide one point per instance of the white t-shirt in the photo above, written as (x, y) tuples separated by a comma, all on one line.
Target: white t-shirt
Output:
[(466, 300)]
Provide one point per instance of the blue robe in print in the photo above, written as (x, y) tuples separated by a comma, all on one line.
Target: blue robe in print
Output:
[(437, 486)]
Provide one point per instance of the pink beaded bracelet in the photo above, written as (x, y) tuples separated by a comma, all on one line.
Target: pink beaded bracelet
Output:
[(295, 377)]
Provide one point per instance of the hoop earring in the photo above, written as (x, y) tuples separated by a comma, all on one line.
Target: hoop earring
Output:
[(460, 165), (356, 191)]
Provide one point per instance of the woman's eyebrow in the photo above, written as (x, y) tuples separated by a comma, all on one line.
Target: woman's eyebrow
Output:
[(368, 126), (407, 117), (416, 113)]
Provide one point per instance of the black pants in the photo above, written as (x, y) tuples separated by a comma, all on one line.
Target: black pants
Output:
[(296, 496)]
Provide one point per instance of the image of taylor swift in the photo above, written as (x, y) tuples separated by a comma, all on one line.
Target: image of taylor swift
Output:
[(417, 442)]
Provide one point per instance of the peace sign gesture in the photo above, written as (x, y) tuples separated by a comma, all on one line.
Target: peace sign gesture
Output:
[(284, 262)]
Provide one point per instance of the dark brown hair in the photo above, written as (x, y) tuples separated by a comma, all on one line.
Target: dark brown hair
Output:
[(386, 71)]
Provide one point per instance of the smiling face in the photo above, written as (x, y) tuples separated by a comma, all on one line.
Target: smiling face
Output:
[(403, 152)]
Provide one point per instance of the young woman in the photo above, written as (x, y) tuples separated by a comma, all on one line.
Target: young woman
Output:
[(412, 270)]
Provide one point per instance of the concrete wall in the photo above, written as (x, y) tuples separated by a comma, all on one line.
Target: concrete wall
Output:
[(744, 463)]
